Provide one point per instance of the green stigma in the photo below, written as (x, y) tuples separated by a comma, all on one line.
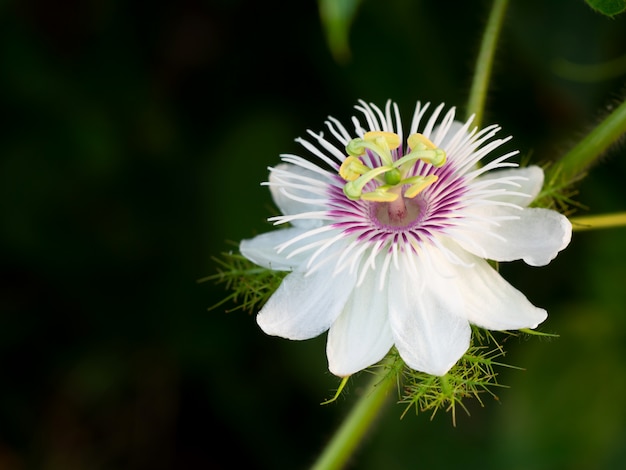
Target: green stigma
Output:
[(393, 175)]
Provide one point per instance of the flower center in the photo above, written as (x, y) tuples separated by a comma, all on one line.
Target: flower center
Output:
[(396, 179)]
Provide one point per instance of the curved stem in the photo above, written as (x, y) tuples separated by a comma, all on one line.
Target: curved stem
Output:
[(589, 149), (484, 62), (349, 435)]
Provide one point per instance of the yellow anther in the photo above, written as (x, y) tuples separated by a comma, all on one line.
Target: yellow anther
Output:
[(392, 140), (391, 174), (380, 194), (352, 168), (420, 142), (419, 184)]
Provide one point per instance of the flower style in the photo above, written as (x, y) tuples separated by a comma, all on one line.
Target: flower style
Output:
[(388, 240)]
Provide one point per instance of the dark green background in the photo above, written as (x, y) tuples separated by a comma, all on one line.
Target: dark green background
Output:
[(134, 140)]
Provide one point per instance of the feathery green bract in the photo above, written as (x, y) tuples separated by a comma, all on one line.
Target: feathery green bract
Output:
[(250, 285), (472, 376)]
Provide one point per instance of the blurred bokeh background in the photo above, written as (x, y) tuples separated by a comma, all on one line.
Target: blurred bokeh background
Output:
[(134, 139)]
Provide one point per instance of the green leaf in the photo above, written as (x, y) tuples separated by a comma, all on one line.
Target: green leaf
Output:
[(607, 7), (337, 17)]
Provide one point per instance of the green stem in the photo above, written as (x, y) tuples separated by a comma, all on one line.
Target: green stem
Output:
[(484, 62), (592, 222), (349, 435), (588, 150)]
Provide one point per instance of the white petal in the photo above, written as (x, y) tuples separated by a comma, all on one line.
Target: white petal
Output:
[(491, 302), (361, 335), (536, 236), (424, 314), (305, 306), (280, 179), (527, 180), (261, 249)]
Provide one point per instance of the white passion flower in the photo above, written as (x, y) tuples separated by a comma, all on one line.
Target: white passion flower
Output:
[(388, 239)]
